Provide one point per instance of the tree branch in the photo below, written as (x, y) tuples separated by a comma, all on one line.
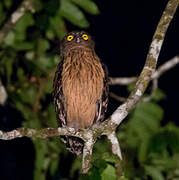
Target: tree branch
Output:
[(154, 88), (87, 153), (157, 74), (161, 69), (122, 80), (165, 67), (43, 133), (25, 5), (109, 126), (118, 98), (115, 144), (149, 67)]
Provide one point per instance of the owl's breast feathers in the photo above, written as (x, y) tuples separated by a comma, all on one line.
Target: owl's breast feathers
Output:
[(80, 93), (83, 84)]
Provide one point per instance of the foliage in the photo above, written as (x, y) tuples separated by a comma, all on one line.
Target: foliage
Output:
[(29, 55)]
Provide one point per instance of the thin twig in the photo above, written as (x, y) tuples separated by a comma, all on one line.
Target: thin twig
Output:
[(154, 88), (161, 69), (118, 98), (165, 67), (122, 80), (157, 74)]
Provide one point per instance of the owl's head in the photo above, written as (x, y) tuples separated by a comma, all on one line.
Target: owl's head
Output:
[(77, 39)]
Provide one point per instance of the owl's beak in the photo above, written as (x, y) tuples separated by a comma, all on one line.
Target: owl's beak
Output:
[(78, 40)]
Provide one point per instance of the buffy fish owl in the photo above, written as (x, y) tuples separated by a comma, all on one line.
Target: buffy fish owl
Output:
[(80, 88)]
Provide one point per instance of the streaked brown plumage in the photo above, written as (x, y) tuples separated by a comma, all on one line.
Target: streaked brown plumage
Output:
[(80, 86)]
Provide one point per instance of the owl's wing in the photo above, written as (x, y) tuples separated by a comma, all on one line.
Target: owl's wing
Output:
[(74, 144), (58, 96), (103, 102)]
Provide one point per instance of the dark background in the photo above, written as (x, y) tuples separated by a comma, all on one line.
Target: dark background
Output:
[(123, 32)]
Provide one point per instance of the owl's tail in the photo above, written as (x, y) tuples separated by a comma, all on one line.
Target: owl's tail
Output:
[(74, 144)]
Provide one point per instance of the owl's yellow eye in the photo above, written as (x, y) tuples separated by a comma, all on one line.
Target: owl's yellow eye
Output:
[(70, 37), (85, 37)]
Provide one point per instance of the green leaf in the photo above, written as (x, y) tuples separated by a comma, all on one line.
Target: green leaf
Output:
[(92, 175), (42, 46), (165, 139), (50, 115), (37, 5), (88, 5), (42, 160), (28, 115), (123, 178), (9, 68), (108, 157), (73, 14), (144, 121), (9, 39), (54, 166), (58, 26), (76, 166), (20, 27), (146, 118), (143, 150), (159, 95), (50, 34), (2, 13), (51, 7), (20, 75), (42, 21), (30, 55), (154, 173), (8, 3), (48, 87), (23, 45), (99, 163), (45, 63), (109, 173), (164, 161), (28, 95)]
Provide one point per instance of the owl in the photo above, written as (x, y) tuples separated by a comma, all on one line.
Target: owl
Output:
[(80, 87)]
